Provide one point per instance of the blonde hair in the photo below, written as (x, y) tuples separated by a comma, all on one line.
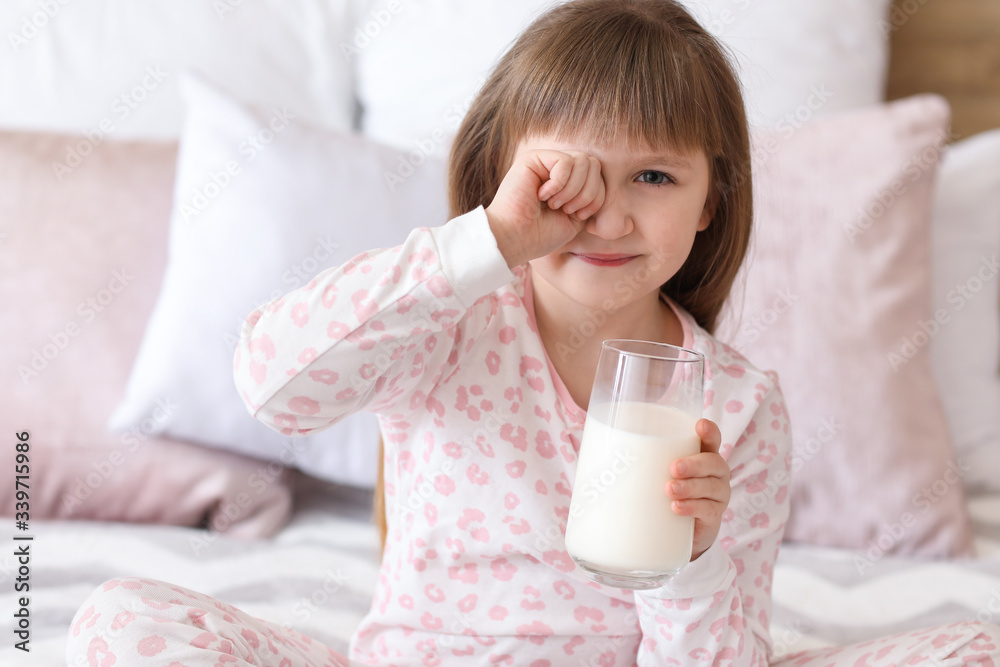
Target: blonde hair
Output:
[(626, 71)]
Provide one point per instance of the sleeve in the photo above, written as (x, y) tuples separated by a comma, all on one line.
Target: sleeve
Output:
[(719, 606), (373, 333)]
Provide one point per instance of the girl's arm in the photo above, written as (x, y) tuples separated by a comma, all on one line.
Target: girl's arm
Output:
[(387, 325), (719, 606), (372, 333)]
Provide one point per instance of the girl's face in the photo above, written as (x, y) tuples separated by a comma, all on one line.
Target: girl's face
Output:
[(655, 203)]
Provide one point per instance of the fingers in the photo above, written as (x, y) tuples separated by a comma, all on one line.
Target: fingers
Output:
[(701, 487), (708, 462), (701, 482), (708, 488), (574, 183), (711, 436), (706, 510), (566, 178), (703, 497), (590, 196)]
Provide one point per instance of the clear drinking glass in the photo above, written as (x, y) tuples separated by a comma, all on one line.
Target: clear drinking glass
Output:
[(643, 407)]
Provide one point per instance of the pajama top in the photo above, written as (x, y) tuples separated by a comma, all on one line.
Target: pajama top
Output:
[(437, 336)]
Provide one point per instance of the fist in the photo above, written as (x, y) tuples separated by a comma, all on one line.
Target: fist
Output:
[(701, 487), (543, 202)]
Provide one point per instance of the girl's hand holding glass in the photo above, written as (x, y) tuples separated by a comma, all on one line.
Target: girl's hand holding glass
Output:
[(703, 487), (629, 526), (543, 201)]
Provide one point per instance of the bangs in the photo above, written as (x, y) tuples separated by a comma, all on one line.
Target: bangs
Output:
[(622, 79)]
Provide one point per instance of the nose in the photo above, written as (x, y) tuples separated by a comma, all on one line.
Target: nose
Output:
[(612, 221)]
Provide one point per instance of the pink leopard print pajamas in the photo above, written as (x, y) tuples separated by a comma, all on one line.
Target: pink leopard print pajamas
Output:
[(437, 336)]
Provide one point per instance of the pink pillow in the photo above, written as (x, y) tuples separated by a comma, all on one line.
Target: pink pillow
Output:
[(82, 252), (836, 299)]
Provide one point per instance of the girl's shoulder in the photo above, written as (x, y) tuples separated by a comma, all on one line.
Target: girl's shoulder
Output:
[(723, 363), (741, 398)]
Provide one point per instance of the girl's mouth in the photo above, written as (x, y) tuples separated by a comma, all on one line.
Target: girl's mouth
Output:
[(605, 260)]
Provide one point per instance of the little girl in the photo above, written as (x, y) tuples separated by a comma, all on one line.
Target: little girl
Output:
[(600, 187)]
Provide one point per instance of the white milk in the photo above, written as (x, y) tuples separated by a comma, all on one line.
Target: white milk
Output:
[(620, 517)]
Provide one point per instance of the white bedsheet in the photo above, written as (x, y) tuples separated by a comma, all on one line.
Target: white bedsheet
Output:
[(318, 573)]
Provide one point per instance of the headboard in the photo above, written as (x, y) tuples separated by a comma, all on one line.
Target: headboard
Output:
[(949, 47)]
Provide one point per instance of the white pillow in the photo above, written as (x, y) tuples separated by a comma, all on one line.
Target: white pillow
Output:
[(420, 62), (109, 67), (307, 200), (965, 338)]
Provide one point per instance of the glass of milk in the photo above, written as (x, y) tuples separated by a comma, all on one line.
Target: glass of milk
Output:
[(645, 402)]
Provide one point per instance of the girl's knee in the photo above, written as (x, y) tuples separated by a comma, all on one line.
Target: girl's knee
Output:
[(104, 599), (103, 616)]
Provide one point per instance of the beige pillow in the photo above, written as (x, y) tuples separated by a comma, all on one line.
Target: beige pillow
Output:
[(82, 255), (836, 299)]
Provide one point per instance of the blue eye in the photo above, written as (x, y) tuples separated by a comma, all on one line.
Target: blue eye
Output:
[(655, 178)]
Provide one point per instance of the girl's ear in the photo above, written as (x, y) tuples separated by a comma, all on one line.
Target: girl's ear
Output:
[(707, 213)]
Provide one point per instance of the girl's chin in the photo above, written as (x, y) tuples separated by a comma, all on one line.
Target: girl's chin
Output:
[(610, 294), (606, 299)]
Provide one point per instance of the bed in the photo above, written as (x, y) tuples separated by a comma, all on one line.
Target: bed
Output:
[(191, 500), (318, 573)]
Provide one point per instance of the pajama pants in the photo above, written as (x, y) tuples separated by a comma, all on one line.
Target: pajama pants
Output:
[(132, 621)]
